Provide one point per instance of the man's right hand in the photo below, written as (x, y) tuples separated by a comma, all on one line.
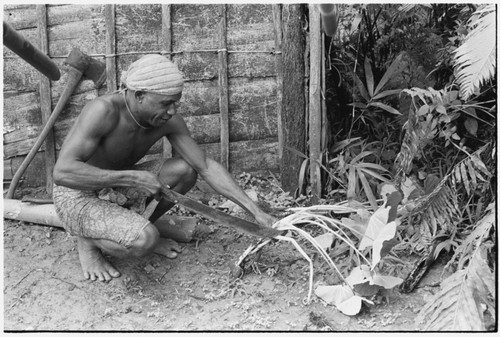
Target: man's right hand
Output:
[(148, 183)]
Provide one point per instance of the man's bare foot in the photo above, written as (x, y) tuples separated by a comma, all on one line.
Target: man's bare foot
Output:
[(168, 248), (94, 266)]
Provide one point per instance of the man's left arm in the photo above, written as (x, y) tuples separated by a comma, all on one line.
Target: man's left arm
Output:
[(214, 173)]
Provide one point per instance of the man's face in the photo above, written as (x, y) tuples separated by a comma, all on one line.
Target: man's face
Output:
[(157, 109)]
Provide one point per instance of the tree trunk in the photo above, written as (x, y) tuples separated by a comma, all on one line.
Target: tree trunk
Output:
[(293, 114)]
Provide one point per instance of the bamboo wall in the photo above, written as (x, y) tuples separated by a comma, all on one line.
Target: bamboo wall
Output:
[(227, 53)]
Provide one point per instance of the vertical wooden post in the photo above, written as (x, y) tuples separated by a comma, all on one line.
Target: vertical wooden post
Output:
[(278, 37), (325, 130), (315, 100), (166, 35), (109, 11), (293, 100), (46, 99), (223, 90)]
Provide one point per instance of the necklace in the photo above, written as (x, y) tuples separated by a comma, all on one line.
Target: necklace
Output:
[(131, 115)]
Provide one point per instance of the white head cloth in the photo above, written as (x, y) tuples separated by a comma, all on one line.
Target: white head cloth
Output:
[(153, 73)]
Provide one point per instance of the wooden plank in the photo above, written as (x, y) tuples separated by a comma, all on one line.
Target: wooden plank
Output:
[(21, 110), (63, 14), (32, 176), (195, 27), (250, 31), (46, 100), (166, 35), (314, 132), (110, 48), (278, 37), (223, 90), (20, 17), (254, 125)]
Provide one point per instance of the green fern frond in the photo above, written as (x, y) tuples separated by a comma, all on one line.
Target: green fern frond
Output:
[(458, 306), (475, 59), (481, 231), (470, 173), (437, 211)]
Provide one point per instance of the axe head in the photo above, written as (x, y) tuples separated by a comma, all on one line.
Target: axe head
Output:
[(91, 68)]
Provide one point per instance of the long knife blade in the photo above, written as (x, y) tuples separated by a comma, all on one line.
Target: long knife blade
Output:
[(218, 216)]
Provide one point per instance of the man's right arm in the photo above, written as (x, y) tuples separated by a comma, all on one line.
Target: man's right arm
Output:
[(72, 170)]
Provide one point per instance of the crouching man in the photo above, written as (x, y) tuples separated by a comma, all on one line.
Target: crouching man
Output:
[(100, 191)]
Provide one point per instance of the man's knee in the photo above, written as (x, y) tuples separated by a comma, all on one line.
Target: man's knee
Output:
[(177, 167), (146, 242), (190, 174)]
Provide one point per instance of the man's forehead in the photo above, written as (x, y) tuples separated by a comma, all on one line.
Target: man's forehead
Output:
[(165, 98)]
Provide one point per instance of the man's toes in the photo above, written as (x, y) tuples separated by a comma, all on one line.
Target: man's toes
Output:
[(114, 273), (104, 276), (171, 254)]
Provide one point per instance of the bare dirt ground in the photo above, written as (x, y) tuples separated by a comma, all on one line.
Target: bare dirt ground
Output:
[(44, 289)]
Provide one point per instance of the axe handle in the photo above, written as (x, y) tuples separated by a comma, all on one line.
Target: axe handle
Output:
[(218, 216), (74, 77)]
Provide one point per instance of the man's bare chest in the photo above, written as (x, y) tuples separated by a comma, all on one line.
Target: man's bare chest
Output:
[(123, 147)]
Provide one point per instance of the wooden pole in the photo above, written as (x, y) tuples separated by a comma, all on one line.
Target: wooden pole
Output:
[(46, 100), (278, 37), (293, 99), (179, 228), (166, 34), (325, 130), (314, 132), (28, 52), (223, 90), (109, 12)]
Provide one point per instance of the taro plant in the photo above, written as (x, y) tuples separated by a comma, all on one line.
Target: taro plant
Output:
[(365, 279)]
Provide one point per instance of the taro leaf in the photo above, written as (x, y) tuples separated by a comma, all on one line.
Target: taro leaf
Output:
[(351, 306), (333, 294), (359, 275), (392, 202), (342, 297), (379, 219), (366, 289), (387, 246), (386, 233), (376, 223), (357, 223), (386, 189), (325, 240), (386, 281)]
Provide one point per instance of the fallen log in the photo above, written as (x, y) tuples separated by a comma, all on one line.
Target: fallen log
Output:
[(182, 229)]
